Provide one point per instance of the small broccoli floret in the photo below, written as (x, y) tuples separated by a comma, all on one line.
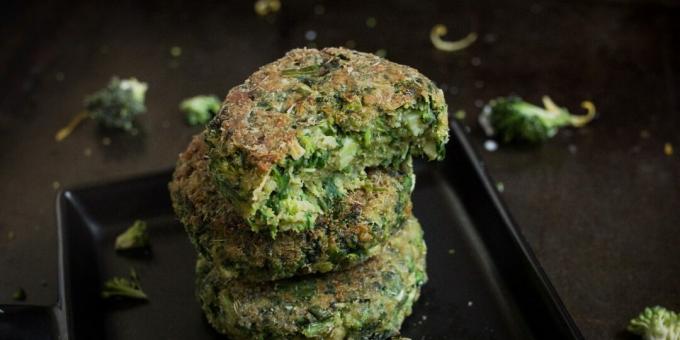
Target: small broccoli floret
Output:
[(513, 120), (115, 106), (118, 104), (656, 323), (200, 109), (126, 288), (134, 237)]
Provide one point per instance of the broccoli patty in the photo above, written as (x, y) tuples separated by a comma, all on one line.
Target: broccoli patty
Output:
[(354, 228), (369, 301), (307, 126)]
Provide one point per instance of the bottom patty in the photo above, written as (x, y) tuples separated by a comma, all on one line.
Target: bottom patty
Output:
[(369, 301)]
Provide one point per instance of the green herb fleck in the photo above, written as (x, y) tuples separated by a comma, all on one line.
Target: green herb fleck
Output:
[(136, 236), (124, 288), (460, 114)]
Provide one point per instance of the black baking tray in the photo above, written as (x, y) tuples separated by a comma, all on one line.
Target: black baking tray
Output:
[(485, 282)]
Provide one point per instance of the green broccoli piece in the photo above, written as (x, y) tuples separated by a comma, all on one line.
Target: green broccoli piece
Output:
[(118, 104), (200, 109), (513, 120), (125, 288), (19, 295), (656, 323), (115, 106), (134, 237)]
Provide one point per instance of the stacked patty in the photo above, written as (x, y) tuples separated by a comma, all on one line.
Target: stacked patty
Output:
[(297, 197)]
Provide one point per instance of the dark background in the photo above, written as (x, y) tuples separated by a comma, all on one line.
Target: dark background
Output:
[(599, 205)]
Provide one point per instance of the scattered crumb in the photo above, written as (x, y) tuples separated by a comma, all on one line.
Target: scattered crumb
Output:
[(19, 295), (424, 317), (87, 152), (350, 44), (489, 38), (319, 9), (59, 76), (2, 311), (264, 7), (451, 251), (668, 149), (645, 134), (106, 141), (56, 185), (572, 148), (476, 61), (470, 303), (500, 186), (371, 22), (382, 53), (460, 114), (175, 51), (490, 145), (10, 235), (310, 35)]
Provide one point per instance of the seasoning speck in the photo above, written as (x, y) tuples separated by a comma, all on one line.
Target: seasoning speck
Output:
[(424, 317), (470, 303), (310, 35), (490, 145), (500, 186), (106, 141), (19, 295), (451, 251), (56, 185), (175, 51), (668, 149), (371, 22), (479, 103), (645, 134), (87, 152), (10, 235), (572, 148)]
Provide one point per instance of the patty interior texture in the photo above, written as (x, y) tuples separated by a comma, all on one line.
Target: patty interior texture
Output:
[(353, 229), (303, 130)]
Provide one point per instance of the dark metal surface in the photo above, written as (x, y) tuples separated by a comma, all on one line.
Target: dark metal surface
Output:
[(599, 205)]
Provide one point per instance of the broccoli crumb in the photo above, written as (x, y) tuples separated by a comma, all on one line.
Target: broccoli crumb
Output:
[(265, 7), (135, 237), (511, 119), (124, 288), (200, 109), (656, 323), (459, 115), (19, 295), (668, 149)]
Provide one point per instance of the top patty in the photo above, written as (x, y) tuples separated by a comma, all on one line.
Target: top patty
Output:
[(314, 119)]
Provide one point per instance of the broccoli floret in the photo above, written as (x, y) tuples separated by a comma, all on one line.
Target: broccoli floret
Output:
[(118, 104), (115, 106), (513, 120), (134, 237), (126, 288), (656, 323), (200, 109)]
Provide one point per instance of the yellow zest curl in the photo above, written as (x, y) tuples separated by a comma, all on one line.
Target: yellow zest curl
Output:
[(438, 31)]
